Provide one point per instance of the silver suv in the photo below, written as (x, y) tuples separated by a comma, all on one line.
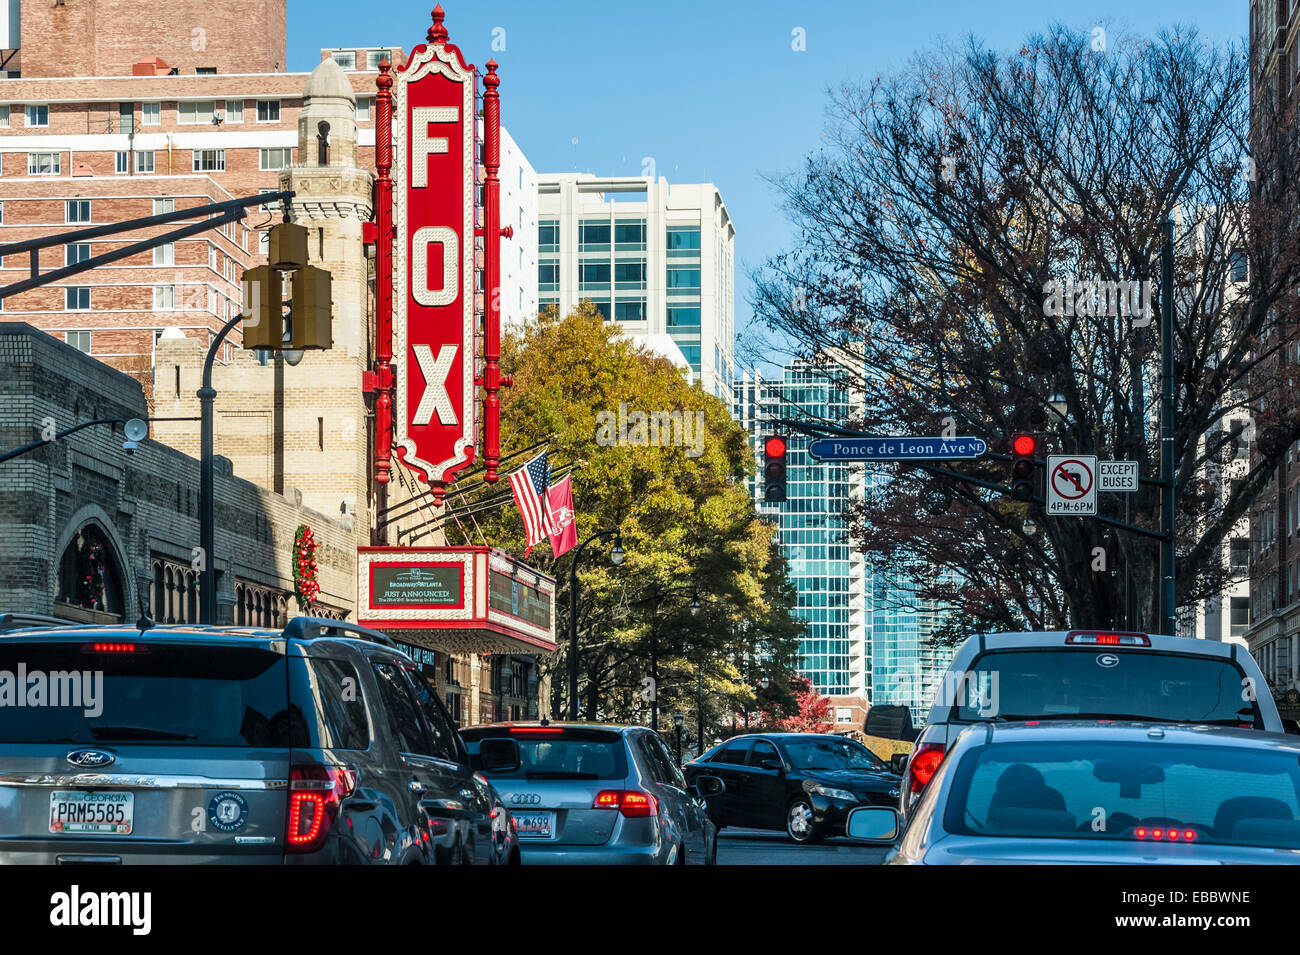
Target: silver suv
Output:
[(1080, 675), (599, 794)]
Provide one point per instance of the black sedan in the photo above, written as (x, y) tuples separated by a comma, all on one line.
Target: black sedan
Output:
[(804, 783)]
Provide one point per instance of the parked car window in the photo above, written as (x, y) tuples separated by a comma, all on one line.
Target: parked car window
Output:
[(822, 752), (444, 737), (403, 718), (762, 750), (675, 777), (734, 752), (654, 762), (340, 704)]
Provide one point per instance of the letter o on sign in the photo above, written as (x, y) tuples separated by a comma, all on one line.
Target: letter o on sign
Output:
[(420, 265)]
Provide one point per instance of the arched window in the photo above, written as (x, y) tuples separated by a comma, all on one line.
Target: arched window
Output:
[(322, 144), (90, 580)]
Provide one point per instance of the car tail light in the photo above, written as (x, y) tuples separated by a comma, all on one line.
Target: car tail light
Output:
[(632, 803), (921, 767), (315, 794), (1106, 639)]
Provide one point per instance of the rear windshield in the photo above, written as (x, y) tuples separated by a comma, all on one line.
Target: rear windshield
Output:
[(560, 754), (1128, 791), (1036, 684), (193, 695)]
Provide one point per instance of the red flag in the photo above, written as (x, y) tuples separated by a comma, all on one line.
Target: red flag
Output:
[(564, 525)]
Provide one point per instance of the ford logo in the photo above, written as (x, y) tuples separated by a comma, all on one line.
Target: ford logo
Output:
[(525, 799), (90, 758)]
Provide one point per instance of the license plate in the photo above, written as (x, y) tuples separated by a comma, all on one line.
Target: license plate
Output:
[(534, 825), (102, 812)]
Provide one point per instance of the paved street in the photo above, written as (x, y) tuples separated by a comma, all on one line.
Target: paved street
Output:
[(760, 847)]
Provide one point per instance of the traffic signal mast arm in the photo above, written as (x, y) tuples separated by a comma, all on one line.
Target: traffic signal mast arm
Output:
[(821, 430)]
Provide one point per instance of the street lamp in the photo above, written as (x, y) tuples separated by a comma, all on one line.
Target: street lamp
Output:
[(695, 606), (1029, 527), (616, 557), (1058, 405), (678, 720)]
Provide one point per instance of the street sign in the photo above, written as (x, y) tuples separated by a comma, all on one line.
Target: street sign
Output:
[(1117, 476), (898, 449), (1072, 484)]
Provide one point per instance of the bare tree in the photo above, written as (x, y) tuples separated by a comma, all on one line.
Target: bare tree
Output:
[(980, 234)]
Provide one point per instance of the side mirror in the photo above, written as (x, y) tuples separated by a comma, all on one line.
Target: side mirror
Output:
[(878, 825), (898, 763), (770, 762), (706, 786), (498, 755), (890, 722)]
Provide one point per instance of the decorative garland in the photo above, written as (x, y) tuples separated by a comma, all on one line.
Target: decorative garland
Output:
[(306, 579), (91, 583)]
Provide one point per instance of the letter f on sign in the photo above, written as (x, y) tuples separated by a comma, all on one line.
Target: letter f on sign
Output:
[(435, 397)]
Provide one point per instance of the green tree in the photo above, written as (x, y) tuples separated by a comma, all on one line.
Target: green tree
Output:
[(688, 524)]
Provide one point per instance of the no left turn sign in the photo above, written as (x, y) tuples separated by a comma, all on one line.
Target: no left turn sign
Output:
[(1072, 484)]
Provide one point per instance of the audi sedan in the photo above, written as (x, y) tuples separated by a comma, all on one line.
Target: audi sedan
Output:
[(804, 783), (591, 793)]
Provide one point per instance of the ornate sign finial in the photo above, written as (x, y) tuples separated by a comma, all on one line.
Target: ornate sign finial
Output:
[(437, 32)]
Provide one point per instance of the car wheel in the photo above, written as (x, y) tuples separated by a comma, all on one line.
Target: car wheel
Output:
[(799, 825)]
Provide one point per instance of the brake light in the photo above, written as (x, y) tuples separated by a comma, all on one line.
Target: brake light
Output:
[(632, 803), (315, 795), (1106, 639), (104, 647), (921, 767), (1166, 835), (536, 731)]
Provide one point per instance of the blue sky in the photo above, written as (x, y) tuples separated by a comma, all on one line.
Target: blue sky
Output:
[(710, 90)]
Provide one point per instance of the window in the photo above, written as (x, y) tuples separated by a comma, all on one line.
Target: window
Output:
[(151, 114), (76, 252), (602, 306), (629, 234), (683, 238), (78, 210), (691, 353), (733, 753), (4, 116), (629, 274), (1240, 616), (164, 297), (688, 317), (144, 161), (374, 58), (79, 340), (436, 721), (234, 111), (346, 59), (341, 715), (548, 275), (38, 116), (593, 235), (762, 750), (195, 112), (277, 158), (122, 163), (593, 274), (126, 118), (163, 206), (1239, 554), (657, 760), (164, 254), (206, 71), (76, 298), (683, 278), (404, 725), (364, 104), (630, 311), (43, 164), (209, 160), (268, 110), (548, 236)]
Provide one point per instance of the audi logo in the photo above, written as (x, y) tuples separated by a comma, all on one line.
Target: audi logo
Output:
[(525, 799)]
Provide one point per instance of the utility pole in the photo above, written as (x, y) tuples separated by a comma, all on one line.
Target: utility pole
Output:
[(1168, 592)]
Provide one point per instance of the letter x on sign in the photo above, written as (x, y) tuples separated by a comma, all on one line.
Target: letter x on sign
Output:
[(435, 397)]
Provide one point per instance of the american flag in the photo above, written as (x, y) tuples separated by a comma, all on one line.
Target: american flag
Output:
[(529, 487)]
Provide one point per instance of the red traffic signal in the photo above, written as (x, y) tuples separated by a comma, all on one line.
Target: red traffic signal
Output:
[(1024, 445), (774, 475)]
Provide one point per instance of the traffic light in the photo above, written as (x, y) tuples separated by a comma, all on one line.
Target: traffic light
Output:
[(310, 325), (263, 308), (1023, 446), (774, 469)]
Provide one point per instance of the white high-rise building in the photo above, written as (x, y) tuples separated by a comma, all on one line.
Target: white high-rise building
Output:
[(519, 252), (657, 259)]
